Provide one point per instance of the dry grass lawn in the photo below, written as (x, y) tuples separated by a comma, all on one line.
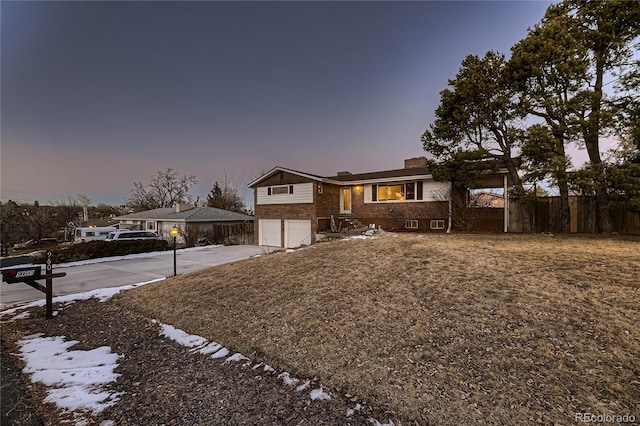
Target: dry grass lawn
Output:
[(439, 329)]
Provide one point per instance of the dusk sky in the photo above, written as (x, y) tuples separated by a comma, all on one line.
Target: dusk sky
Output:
[(97, 95)]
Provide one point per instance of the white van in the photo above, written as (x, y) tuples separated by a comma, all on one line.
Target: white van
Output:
[(82, 235), (131, 235)]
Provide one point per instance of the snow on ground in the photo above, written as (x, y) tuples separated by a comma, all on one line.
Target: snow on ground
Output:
[(319, 394), (78, 380), (102, 294), (114, 258)]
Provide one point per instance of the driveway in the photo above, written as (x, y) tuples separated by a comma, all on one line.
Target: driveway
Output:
[(130, 270)]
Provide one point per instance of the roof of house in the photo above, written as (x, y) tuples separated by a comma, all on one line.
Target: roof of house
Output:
[(371, 177), (195, 214), (385, 174), (293, 172), (339, 179)]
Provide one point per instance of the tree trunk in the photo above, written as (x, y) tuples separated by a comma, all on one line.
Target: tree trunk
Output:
[(591, 134), (602, 211), (527, 225), (565, 212)]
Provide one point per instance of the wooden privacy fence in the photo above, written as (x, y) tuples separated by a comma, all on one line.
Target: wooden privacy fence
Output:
[(544, 215), (222, 233)]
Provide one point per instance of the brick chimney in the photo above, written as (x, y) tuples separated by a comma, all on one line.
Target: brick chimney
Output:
[(411, 163), (344, 173), (183, 207)]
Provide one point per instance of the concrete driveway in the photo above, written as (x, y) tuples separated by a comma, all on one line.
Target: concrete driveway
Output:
[(139, 268)]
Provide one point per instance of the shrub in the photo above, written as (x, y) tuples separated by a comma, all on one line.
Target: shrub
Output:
[(98, 249)]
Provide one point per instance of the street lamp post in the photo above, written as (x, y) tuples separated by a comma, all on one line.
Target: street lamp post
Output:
[(174, 233)]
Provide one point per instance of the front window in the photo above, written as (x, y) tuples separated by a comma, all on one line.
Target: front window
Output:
[(391, 192), (397, 191)]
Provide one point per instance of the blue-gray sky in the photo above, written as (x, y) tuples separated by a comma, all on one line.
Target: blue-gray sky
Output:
[(97, 95)]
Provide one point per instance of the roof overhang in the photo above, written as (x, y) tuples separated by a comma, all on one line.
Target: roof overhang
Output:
[(493, 179), (293, 172)]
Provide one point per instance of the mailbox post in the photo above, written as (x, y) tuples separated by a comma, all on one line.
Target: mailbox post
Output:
[(30, 275), (49, 283)]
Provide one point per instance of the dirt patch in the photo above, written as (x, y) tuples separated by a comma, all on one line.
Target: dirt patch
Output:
[(491, 329), (164, 383), (16, 407)]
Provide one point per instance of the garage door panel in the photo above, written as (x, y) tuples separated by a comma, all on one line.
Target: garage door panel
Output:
[(270, 232), (297, 233)]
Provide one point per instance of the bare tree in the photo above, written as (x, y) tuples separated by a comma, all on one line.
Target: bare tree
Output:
[(85, 202), (166, 189), (227, 196)]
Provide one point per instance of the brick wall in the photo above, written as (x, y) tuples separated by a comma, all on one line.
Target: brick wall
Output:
[(284, 211), (393, 215)]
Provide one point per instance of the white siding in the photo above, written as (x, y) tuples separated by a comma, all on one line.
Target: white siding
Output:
[(367, 194), (436, 191), (302, 193)]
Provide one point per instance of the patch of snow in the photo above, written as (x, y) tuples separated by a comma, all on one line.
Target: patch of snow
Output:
[(236, 357), (220, 353), (179, 336), (114, 258), (319, 394), (303, 386), (375, 422), (352, 411), (264, 366), (287, 379), (78, 376), (102, 294), (268, 369), (209, 348), (23, 315)]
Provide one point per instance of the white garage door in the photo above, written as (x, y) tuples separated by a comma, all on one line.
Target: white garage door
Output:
[(297, 233), (269, 232)]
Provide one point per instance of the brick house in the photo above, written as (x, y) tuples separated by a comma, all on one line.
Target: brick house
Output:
[(294, 208)]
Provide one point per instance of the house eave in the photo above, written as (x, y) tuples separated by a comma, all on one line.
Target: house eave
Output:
[(293, 172), (385, 180)]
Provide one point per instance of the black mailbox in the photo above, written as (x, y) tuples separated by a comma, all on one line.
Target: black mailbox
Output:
[(20, 275)]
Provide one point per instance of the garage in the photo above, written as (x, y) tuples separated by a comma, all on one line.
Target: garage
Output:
[(269, 232), (297, 233)]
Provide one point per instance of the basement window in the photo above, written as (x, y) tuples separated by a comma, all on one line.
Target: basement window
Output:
[(411, 224), (436, 224)]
